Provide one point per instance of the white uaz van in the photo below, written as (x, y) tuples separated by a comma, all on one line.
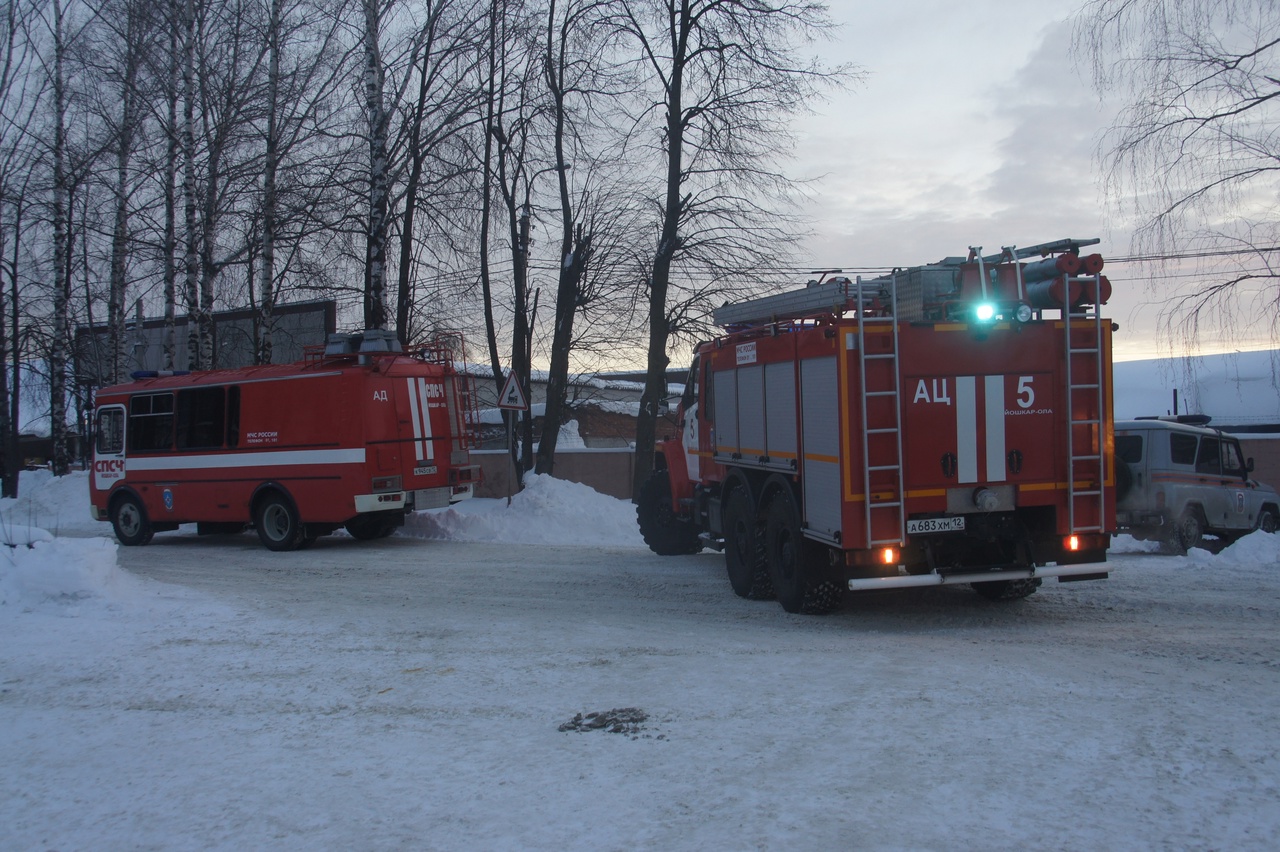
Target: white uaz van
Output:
[(1180, 480)]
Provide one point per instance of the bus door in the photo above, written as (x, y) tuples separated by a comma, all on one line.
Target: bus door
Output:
[(109, 447)]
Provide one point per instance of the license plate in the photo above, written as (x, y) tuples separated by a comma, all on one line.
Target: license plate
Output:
[(424, 471), (924, 526)]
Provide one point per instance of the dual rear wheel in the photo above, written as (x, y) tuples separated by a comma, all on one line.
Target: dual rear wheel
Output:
[(767, 555)]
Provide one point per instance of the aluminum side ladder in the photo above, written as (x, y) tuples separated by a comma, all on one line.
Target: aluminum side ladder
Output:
[(890, 427), (1082, 333)]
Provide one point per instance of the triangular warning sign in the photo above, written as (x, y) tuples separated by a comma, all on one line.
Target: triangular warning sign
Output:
[(512, 396)]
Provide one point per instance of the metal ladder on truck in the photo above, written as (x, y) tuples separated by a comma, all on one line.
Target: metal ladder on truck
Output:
[(1085, 463), (892, 427)]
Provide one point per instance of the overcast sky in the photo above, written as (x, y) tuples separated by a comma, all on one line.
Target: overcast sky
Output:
[(973, 127)]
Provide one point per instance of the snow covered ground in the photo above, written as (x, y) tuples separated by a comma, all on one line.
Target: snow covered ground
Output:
[(205, 693)]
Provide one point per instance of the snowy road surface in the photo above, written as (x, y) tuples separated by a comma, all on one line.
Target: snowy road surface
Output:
[(408, 693)]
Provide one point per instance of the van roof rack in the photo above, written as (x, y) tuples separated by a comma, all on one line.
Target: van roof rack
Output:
[(1188, 419)]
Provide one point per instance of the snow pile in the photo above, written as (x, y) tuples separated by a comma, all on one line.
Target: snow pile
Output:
[(59, 504), (1129, 544), (547, 511), (42, 570), (52, 573), (1257, 551)]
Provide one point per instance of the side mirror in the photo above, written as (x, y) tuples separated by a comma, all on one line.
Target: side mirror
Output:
[(1248, 465)]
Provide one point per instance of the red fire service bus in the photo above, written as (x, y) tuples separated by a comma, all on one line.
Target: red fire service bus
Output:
[(355, 435)]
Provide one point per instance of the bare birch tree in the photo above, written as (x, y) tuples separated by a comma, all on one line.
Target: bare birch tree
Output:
[(726, 78), (450, 42), (570, 72), (59, 214), (377, 119), (1193, 160), (20, 100)]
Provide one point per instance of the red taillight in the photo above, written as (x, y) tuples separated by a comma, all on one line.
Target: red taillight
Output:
[(383, 484), (1072, 543), (889, 556)]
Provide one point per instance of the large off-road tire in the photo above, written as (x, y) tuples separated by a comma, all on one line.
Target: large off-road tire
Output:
[(1189, 531), (130, 522), (1007, 590), (1267, 521), (665, 532), (744, 547), (799, 580), (279, 527)]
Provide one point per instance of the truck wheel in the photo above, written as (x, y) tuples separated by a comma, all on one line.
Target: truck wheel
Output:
[(279, 526), (129, 520), (793, 572), (744, 548), (1267, 521), (1189, 531), (1007, 590), (664, 532)]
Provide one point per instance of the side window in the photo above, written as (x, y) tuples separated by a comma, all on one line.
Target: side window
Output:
[(691, 387), (110, 438), (1208, 460), (233, 416), (708, 412), (201, 416), (1232, 464), (1129, 448), (1182, 448), (151, 422)]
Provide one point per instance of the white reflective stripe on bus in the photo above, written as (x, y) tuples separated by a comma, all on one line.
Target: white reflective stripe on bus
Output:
[(235, 459), (414, 418), (425, 408)]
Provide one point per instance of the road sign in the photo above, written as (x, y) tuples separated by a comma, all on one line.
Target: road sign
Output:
[(512, 397)]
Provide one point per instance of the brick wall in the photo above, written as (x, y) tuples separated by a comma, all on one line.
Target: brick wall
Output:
[(606, 470)]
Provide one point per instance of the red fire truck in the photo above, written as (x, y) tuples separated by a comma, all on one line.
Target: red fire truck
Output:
[(356, 434), (948, 423)]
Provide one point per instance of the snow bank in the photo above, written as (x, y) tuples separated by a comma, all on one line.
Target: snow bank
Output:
[(547, 511), (1258, 551), (1129, 544), (60, 574), (59, 504)]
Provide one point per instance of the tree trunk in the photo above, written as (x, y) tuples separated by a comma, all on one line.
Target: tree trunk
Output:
[(376, 240), (8, 431), (170, 239), (486, 204), (404, 282), (117, 301), (266, 279), (61, 257), (192, 257), (655, 381)]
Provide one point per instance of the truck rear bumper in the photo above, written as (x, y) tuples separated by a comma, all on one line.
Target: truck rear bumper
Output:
[(379, 502), (1086, 570)]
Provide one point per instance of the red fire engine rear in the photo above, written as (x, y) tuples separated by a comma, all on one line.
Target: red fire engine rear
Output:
[(949, 423), (355, 435)]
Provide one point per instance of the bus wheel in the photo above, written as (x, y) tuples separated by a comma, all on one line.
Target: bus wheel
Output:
[(278, 523), (129, 520)]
